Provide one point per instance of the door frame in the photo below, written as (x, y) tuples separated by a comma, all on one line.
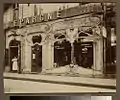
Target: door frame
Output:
[(18, 53), (32, 58)]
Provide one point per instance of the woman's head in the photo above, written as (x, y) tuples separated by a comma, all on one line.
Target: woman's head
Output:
[(15, 57)]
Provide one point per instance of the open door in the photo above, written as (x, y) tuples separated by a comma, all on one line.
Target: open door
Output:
[(14, 51), (36, 58)]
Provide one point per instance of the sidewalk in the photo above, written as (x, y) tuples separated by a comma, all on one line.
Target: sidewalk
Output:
[(78, 81), (78, 71)]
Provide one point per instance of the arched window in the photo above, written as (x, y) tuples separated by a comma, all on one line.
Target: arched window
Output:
[(82, 34), (59, 36), (62, 36), (14, 43), (37, 39)]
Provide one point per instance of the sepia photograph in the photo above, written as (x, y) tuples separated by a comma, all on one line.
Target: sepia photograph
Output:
[(59, 47)]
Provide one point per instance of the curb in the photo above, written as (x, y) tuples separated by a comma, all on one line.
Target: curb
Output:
[(64, 83)]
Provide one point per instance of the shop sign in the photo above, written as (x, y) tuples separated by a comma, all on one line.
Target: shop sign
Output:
[(55, 15)]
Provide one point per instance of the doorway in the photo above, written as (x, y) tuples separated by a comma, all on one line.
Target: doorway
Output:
[(36, 58), (14, 51)]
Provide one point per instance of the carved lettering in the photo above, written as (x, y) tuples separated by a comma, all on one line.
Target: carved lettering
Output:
[(15, 22), (49, 16), (34, 19), (41, 17), (59, 13), (21, 21), (27, 20)]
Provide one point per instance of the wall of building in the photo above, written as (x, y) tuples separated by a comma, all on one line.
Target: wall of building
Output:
[(26, 10), (8, 15)]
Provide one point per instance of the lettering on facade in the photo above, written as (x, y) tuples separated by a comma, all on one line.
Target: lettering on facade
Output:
[(34, 19), (21, 21), (55, 15), (15, 23), (27, 21), (49, 16)]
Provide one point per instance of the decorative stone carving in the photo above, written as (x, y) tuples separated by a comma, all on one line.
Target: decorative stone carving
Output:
[(71, 34), (43, 30)]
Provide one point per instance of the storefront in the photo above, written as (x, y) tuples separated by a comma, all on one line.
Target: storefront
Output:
[(44, 43)]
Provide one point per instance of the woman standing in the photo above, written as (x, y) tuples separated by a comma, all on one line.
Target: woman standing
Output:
[(14, 64)]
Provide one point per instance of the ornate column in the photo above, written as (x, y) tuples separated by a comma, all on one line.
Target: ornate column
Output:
[(99, 55), (44, 57), (27, 57), (48, 53), (71, 36), (25, 53), (98, 50)]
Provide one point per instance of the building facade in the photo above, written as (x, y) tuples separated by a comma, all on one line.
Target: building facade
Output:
[(83, 35)]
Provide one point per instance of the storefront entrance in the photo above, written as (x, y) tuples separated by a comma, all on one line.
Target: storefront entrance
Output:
[(36, 58), (62, 53), (83, 54), (14, 51)]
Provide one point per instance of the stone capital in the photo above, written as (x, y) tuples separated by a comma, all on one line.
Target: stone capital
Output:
[(71, 34)]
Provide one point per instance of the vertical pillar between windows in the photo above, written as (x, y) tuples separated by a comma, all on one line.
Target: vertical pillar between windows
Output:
[(27, 57), (44, 57)]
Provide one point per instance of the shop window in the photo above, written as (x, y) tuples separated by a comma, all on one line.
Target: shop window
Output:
[(111, 53), (62, 53), (36, 56)]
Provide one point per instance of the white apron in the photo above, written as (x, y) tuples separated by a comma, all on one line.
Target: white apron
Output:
[(14, 65)]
